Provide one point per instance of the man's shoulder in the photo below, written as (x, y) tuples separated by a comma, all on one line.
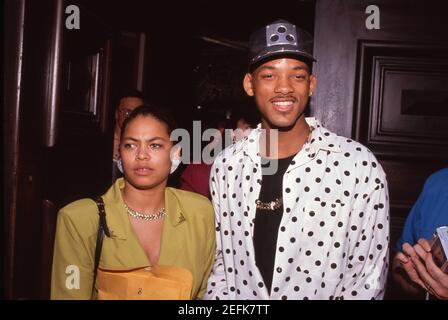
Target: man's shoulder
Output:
[(438, 179), (347, 146), (352, 148), (358, 155)]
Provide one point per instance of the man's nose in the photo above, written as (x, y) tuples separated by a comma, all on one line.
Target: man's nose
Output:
[(283, 85)]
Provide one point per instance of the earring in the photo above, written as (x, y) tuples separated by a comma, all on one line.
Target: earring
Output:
[(120, 165), (175, 156), (174, 164)]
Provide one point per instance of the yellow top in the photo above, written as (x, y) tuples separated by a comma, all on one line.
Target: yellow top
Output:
[(188, 241)]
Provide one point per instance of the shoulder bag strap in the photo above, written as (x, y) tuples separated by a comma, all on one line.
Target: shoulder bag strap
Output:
[(102, 229)]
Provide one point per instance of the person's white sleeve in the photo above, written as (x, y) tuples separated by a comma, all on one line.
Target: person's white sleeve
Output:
[(368, 255)]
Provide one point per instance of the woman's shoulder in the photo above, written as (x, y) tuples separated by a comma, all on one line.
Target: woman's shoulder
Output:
[(188, 196), (79, 211), (191, 201)]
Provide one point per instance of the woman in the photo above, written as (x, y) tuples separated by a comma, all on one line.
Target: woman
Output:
[(150, 224)]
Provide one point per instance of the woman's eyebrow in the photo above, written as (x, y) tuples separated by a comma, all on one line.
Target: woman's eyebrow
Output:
[(149, 140)]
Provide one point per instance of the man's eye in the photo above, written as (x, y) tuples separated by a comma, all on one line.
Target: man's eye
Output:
[(267, 76), (300, 76)]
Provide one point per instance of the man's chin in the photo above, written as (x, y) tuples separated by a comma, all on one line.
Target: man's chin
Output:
[(282, 125)]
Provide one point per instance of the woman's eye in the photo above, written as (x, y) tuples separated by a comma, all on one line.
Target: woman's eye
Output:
[(266, 76), (155, 146), (129, 146)]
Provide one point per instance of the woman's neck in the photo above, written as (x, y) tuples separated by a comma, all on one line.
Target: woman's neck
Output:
[(150, 200)]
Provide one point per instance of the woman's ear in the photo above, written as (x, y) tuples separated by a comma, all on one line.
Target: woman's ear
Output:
[(247, 84), (176, 151)]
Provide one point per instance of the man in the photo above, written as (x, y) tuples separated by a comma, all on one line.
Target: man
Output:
[(128, 102), (318, 228), (428, 213)]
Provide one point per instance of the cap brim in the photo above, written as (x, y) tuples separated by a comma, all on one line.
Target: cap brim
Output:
[(268, 55)]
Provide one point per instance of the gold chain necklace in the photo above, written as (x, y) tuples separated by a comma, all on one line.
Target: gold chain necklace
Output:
[(271, 205), (144, 216)]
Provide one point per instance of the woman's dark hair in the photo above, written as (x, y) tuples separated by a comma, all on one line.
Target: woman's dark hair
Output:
[(160, 113)]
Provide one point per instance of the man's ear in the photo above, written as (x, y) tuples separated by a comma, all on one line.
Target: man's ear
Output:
[(313, 83), (247, 84)]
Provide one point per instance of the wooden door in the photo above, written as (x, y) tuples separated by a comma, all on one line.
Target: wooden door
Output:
[(388, 89)]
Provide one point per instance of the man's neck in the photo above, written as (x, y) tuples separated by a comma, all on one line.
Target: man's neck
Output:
[(290, 142), (150, 200)]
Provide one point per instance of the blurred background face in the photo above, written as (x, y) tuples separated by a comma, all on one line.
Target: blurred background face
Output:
[(242, 129), (145, 153), (242, 124), (127, 104)]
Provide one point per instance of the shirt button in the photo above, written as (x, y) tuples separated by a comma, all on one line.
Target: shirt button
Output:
[(279, 270)]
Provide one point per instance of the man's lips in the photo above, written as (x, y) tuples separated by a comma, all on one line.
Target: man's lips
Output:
[(283, 105)]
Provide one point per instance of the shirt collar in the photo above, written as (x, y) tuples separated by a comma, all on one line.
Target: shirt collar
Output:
[(173, 208), (321, 139), (117, 219)]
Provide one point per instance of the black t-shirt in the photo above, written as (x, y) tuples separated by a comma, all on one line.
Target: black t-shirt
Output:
[(267, 222)]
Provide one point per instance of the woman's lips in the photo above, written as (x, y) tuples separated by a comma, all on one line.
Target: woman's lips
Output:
[(143, 171)]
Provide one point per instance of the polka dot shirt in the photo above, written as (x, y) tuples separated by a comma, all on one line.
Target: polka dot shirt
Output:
[(333, 237)]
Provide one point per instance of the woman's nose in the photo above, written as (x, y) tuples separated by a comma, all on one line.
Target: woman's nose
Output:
[(142, 154)]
